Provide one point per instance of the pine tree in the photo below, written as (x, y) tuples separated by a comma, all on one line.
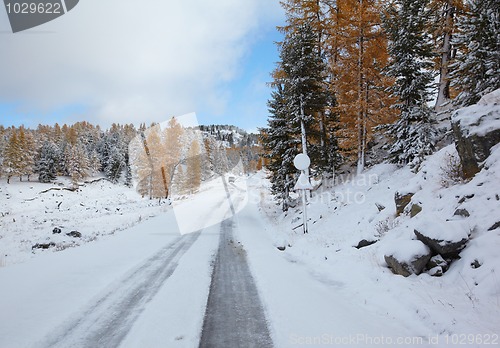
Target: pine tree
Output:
[(94, 163), (112, 151), (478, 62), (411, 54), (128, 171), (280, 141), (78, 163), (46, 166), (316, 14), (304, 85), (115, 164), (299, 107)]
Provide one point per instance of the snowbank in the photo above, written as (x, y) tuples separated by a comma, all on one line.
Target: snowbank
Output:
[(444, 231), (29, 212), (462, 300), (481, 118)]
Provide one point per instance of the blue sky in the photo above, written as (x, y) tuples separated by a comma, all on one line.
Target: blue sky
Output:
[(145, 65)]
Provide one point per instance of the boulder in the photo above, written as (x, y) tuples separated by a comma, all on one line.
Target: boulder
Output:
[(462, 213), (402, 200), (476, 129), (475, 264), (437, 261), (445, 238), (494, 226), (74, 234), (415, 209), (380, 207), (435, 272), (43, 245), (364, 243), (410, 258), (56, 230)]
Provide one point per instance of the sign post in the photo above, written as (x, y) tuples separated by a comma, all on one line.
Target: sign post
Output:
[(302, 163)]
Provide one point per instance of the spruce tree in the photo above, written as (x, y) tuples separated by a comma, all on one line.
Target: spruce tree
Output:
[(112, 150), (410, 65), (304, 84), (78, 163), (478, 61), (94, 162), (46, 166), (280, 141)]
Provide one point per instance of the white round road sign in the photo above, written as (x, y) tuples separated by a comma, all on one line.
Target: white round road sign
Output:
[(301, 161)]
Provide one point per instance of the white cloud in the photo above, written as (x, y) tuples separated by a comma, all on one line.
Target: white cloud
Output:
[(132, 61)]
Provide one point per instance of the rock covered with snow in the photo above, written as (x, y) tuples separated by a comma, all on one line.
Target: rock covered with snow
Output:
[(477, 130), (401, 200), (408, 257), (437, 266), (446, 238)]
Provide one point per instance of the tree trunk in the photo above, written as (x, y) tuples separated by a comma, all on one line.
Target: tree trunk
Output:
[(444, 81), (361, 96), (304, 137)]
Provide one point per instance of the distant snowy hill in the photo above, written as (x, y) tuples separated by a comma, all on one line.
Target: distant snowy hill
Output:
[(230, 135)]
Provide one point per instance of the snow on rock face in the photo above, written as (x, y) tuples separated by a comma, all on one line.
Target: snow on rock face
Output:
[(478, 119), (477, 130), (402, 200), (490, 98), (450, 231), (446, 238), (408, 257)]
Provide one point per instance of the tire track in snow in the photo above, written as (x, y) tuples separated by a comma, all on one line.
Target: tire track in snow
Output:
[(107, 322), (234, 316)]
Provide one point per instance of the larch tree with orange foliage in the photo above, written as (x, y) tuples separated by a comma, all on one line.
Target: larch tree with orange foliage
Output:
[(361, 86)]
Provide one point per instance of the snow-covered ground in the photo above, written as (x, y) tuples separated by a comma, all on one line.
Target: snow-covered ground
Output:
[(320, 291), (29, 212), (358, 300)]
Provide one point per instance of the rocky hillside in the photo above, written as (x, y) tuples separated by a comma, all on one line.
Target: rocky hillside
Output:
[(439, 228)]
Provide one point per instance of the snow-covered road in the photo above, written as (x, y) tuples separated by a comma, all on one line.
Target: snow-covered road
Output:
[(234, 315), (107, 321), (149, 286)]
